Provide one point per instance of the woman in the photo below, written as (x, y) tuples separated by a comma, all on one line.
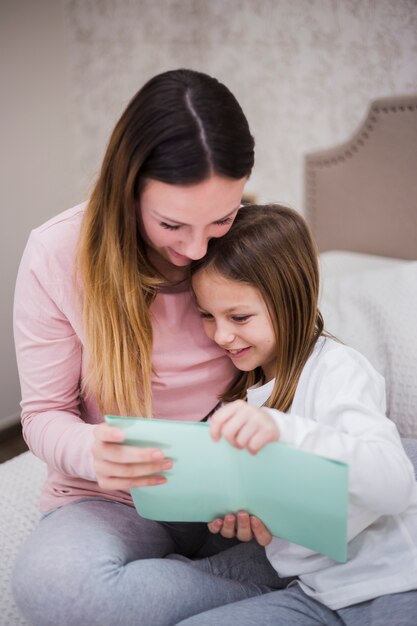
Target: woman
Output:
[(105, 323)]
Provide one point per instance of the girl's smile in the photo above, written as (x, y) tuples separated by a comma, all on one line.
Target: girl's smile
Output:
[(236, 317), (237, 353)]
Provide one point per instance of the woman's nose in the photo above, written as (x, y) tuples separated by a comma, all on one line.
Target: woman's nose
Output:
[(196, 248)]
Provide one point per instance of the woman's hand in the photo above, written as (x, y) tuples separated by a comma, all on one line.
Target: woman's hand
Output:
[(243, 526), (124, 467), (244, 426)]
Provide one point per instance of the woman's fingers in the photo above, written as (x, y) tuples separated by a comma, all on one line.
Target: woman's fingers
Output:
[(109, 483), (125, 476), (132, 470), (117, 453), (105, 432), (123, 467)]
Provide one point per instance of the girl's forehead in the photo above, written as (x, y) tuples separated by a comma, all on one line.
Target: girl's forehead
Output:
[(209, 280), (209, 275)]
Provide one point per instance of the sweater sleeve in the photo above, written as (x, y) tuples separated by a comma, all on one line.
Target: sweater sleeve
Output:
[(344, 403), (49, 361)]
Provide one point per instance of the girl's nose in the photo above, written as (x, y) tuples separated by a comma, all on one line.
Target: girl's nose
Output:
[(223, 336)]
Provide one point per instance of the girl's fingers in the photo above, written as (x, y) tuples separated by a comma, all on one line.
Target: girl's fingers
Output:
[(245, 434), (261, 438), (215, 526), (260, 531), (244, 531), (222, 416), (232, 428), (244, 426), (228, 529), (217, 421)]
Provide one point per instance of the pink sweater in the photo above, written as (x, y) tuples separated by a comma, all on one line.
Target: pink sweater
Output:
[(190, 370)]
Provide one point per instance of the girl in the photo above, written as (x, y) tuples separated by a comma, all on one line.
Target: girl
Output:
[(257, 291), (105, 322)]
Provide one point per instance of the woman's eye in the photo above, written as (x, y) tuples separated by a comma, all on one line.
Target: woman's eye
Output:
[(169, 226), (227, 220)]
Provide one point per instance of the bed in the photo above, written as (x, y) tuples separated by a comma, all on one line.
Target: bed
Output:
[(361, 203)]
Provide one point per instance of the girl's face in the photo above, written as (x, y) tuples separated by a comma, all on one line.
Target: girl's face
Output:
[(236, 317), (177, 221)]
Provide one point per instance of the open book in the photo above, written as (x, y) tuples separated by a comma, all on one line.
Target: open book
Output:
[(300, 497)]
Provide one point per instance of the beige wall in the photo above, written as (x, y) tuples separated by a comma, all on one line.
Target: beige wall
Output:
[(303, 71), (36, 177)]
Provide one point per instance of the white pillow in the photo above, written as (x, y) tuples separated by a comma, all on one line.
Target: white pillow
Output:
[(335, 263), (370, 303)]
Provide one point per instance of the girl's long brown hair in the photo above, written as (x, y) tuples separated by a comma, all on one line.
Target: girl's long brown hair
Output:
[(180, 128), (270, 247)]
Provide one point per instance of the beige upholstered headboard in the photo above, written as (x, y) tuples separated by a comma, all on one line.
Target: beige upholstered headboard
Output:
[(362, 195)]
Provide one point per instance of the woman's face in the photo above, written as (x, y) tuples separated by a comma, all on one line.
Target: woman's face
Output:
[(177, 221)]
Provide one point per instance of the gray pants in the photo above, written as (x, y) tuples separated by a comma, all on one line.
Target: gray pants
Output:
[(97, 563), (292, 607)]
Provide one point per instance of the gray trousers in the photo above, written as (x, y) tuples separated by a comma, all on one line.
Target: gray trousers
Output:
[(292, 607), (97, 563)]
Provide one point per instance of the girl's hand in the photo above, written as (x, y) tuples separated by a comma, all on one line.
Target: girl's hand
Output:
[(124, 467), (244, 426), (243, 526)]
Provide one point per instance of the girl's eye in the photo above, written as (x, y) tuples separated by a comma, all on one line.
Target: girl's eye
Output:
[(240, 318), (169, 226), (206, 316)]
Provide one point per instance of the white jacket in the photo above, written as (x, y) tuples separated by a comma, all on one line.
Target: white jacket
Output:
[(339, 412)]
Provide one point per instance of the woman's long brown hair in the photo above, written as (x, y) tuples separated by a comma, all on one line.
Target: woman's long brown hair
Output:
[(180, 128), (270, 247)]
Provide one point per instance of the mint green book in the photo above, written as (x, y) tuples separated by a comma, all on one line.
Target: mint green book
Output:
[(300, 497)]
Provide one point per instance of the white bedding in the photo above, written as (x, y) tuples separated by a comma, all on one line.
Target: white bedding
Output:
[(21, 479), (370, 303)]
